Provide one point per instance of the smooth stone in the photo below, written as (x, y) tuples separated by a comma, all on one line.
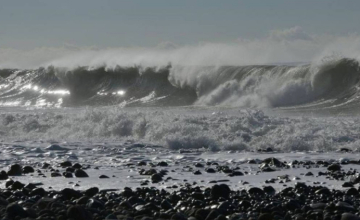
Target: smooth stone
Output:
[(334, 167), (67, 175), (55, 174), (220, 191), (78, 212), (95, 204), (256, 191), (3, 175), (28, 169), (155, 178), (66, 164), (38, 192), (81, 173), (15, 210), (68, 193), (15, 170), (56, 148), (103, 177), (91, 191), (265, 216)]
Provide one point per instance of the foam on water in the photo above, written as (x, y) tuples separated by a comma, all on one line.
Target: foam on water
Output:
[(184, 128)]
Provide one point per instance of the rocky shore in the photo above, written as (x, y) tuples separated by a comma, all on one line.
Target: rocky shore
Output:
[(186, 199)]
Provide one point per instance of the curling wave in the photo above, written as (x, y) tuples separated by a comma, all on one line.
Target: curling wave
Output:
[(331, 83)]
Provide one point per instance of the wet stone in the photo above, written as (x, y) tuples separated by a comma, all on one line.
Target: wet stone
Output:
[(55, 147), (155, 178), (67, 175), (3, 175), (15, 170), (66, 164), (103, 177), (15, 210), (92, 191), (334, 167), (28, 169), (81, 173), (55, 174)]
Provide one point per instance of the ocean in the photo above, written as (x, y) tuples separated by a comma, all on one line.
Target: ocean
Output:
[(170, 140), (289, 107)]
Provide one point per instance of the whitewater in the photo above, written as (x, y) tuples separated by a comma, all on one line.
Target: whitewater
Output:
[(228, 104), (289, 107)]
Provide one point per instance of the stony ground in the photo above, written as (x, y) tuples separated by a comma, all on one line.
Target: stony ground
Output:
[(57, 182)]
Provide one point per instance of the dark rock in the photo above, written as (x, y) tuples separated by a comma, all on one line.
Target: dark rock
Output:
[(3, 175), (77, 166), (78, 213), (14, 210), (256, 191), (236, 173), (45, 165), (95, 204), (15, 170), (103, 177), (323, 191), (352, 192), (199, 165), (67, 175), (344, 206), (212, 215), (272, 162), (349, 216), (319, 205), (17, 185), (265, 216), (82, 200), (3, 202), (309, 174), (92, 191), (210, 170), (38, 192), (197, 172), (178, 216), (70, 169), (28, 169), (165, 204), (267, 169), (111, 217), (56, 147), (81, 173), (334, 167), (68, 193), (142, 163), (269, 190), (44, 202), (220, 191), (9, 183), (66, 164), (55, 174), (155, 178), (162, 164), (347, 184)]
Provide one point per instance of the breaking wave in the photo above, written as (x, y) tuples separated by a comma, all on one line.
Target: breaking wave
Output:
[(334, 82)]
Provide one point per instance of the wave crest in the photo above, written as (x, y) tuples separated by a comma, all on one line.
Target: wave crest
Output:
[(260, 86)]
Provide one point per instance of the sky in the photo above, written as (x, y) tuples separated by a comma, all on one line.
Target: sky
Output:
[(29, 24), (72, 33)]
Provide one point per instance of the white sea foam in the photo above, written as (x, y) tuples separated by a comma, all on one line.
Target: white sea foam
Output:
[(177, 129)]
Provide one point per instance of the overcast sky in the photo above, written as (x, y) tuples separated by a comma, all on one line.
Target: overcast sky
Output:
[(27, 24)]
